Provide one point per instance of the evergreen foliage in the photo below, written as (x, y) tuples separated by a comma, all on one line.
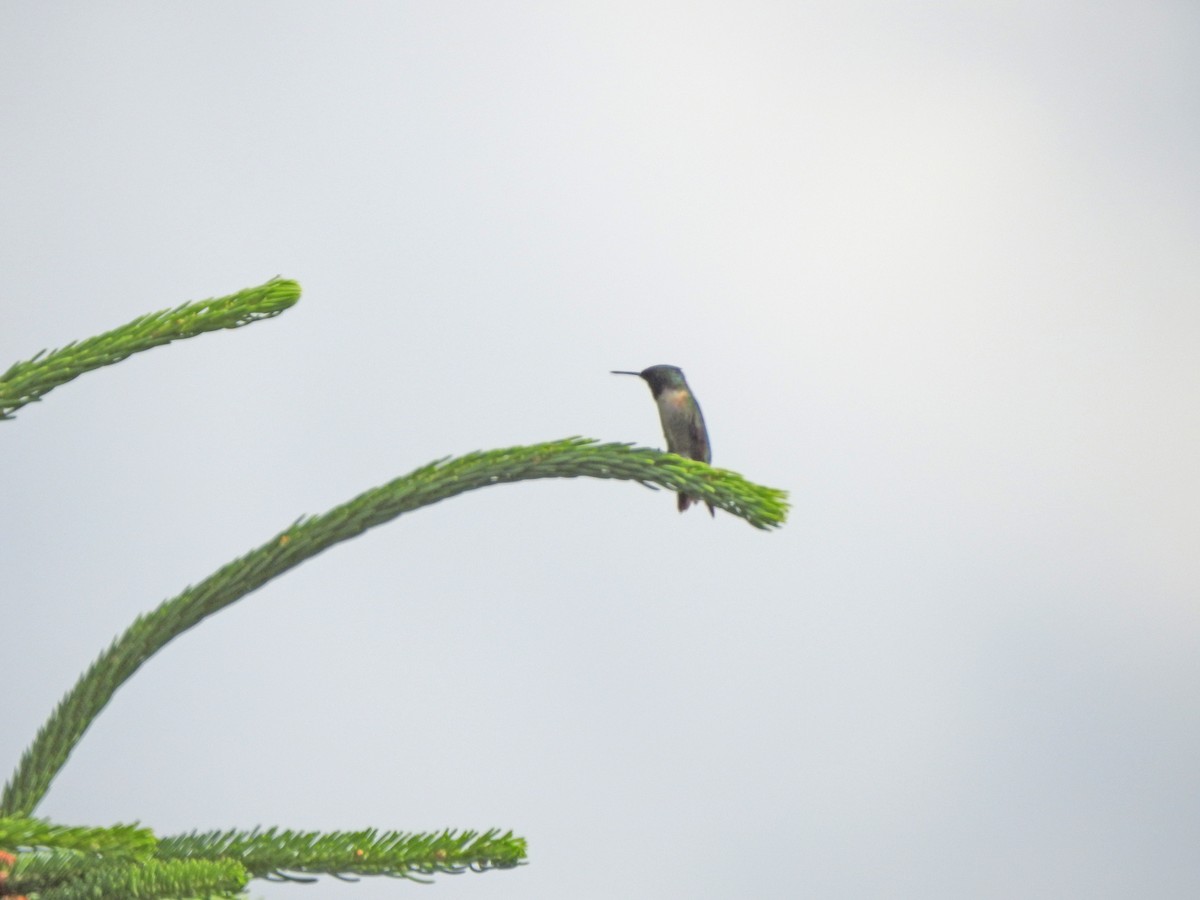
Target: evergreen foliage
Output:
[(116, 842), (60, 863), (147, 880), (27, 381), (295, 856)]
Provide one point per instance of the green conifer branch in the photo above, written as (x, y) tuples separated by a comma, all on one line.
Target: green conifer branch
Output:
[(762, 507), (145, 880), (296, 855), (35, 871), (116, 842), (28, 381), (203, 864), (124, 860)]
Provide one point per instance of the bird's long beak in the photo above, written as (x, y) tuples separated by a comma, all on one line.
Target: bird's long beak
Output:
[(619, 372)]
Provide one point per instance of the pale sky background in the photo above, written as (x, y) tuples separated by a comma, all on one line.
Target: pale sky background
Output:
[(934, 268)]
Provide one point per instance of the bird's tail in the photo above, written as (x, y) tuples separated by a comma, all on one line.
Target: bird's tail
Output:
[(685, 501)]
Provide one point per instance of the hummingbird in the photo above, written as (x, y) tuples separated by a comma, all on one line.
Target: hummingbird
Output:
[(682, 421)]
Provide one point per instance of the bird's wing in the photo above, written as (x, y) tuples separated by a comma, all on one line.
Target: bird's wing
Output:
[(700, 436)]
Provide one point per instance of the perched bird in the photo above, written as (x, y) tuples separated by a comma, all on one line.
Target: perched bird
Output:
[(682, 422)]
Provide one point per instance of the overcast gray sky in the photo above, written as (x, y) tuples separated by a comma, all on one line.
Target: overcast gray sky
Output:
[(934, 268)]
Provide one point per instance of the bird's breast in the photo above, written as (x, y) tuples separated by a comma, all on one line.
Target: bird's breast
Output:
[(674, 399)]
